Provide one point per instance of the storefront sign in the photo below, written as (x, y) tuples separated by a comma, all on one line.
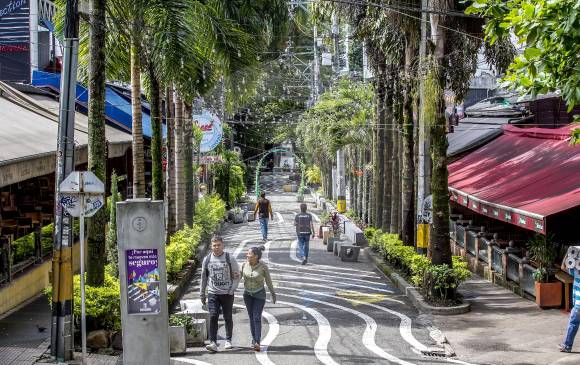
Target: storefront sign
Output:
[(142, 281), (15, 40), (212, 130), (205, 160)]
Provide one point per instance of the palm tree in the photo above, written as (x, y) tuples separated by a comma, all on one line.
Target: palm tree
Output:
[(97, 160)]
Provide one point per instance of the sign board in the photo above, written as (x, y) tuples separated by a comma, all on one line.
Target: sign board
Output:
[(71, 202), (326, 59), (15, 40), (204, 160), (212, 130), (91, 183), (142, 281), (71, 190)]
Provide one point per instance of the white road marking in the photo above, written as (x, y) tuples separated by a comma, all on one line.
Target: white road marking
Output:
[(457, 361), (310, 268), (316, 217), (273, 331), (280, 218), (368, 338), (326, 286), (404, 326), (188, 361), (357, 271), (241, 246), (274, 268), (326, 281), (293, 248)]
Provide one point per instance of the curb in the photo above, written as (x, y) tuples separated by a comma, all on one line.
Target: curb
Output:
[(412, 293)]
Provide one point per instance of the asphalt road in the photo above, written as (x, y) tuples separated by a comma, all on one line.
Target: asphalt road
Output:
[(328, 311)]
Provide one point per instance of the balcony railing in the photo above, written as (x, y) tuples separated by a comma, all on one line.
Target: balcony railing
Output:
[(513, 268), (528, 283), (470, 244), (497, 259), (483, 249), (459, 235)]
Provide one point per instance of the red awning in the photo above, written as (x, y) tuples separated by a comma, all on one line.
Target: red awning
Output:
[(521, 177)]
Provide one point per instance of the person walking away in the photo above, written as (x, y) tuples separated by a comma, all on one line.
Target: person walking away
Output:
[(263, 210), (304, 230), (574, 322), (254, 274), (220, 276)]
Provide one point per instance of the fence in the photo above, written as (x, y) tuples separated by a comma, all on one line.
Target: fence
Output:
[(470, 243), (513, 268), (459, 235), (528, 283), (497, 259), (483, 249), (452, 226)]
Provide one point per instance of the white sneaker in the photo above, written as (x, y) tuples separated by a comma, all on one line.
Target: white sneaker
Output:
[(212, 347), (228, 345)]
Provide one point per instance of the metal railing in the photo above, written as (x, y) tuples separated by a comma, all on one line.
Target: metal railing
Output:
[(459, 236), (483, 249), (528, 283), (496, 259), (513, 268), (452, 225), (470, 243)]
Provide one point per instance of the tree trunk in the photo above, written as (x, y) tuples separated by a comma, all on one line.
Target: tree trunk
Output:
[(440, 248), (395, 181), (408, 165), (179, 164), (156, 137), (388, 151), (137, 129), (97, 144), (369, 198), (359, 182), (188, 163), (379, 173), (170, 167)]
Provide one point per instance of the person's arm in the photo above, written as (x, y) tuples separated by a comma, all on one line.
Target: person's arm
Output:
[(256, 209), (268, 280), (270, 209), (203, 285), (563, 266), (236, 276), (311, 227)]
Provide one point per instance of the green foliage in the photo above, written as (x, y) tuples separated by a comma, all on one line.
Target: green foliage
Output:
[(324, 218), (182, 246), (103, 303), (183, 320), (209, 212), (416, 266), (111, 239), (229, 178), (23, 247), (314, 175), (544, 252)]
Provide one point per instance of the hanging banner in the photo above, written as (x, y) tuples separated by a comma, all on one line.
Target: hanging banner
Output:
[(212, 130), (15, 40)]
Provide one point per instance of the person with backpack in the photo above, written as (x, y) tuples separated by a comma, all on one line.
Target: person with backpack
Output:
[(304, 230), (263, 210), (254, 274), (220, 276)]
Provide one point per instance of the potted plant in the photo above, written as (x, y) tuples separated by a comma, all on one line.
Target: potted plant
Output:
[(324, 219), (300, 196), (543, 253)]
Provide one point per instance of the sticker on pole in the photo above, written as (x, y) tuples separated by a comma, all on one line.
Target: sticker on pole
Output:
[(143, 281), (79, 184), (212, 130), (71, 202)]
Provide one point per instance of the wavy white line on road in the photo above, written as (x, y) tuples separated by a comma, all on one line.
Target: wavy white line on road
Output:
[(280, 218), (316, 217), (326, 286), (241, 246), (273, 331), (266, 253), (343, 284), (405, 326), (293, 249), (457, 361), (188, 361), (274, 268), (357, 271), (312, 267), (368, 338)]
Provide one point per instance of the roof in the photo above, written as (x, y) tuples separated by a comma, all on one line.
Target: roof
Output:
[(30, 127), (521, 177), (471, 133)]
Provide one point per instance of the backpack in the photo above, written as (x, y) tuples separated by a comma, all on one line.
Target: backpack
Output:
[(206, 265)]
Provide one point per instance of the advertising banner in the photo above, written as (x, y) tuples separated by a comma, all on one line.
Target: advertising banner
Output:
[(15, 40), (212, 130), (142, 281)]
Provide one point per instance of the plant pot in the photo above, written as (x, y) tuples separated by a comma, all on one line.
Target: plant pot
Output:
[(250, 216), (549, 295), (230, 216), (177, 339), (320, 231), (300, 198), (238, 218)]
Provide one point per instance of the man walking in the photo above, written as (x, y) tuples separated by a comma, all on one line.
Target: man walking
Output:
[(263, 210), (221, 276), (304, 230), (574, 321)]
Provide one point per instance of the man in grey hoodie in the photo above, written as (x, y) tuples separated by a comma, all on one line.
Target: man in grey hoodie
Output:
[(220, 276)]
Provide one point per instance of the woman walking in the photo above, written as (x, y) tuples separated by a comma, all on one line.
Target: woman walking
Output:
[(254, 274)]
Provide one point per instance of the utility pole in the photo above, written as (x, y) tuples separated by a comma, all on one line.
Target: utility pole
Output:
[(424, 168), (335, 42), (347, 48), (316, 67), (62, 279)]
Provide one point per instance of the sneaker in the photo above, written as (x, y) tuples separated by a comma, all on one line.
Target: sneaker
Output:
[(257, 347), (228, 345), (563, 348), (212, 347), (305, 261)]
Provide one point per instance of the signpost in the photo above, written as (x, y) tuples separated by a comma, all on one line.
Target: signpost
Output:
[(82, 195), (212, 130)]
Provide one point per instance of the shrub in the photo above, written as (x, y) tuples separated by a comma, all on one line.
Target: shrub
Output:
[(182, 247), (445, 279), (314, 175), (103, 304), (23, 247), (209, 211)]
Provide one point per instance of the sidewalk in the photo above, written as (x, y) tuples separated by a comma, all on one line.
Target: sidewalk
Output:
[(505, 329)]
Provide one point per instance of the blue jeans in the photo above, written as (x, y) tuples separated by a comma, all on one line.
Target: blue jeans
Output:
[(264, 227), (255, 306), (573, 325), (303, 244)]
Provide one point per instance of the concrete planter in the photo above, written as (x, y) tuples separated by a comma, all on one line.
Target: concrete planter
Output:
[(287, 188), (250, 216), (177, 340), (330, 244), (294, 188), (300, 198), (549, 295), (238, 218)]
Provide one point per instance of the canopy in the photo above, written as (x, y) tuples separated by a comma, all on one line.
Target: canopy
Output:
[(521, 177)]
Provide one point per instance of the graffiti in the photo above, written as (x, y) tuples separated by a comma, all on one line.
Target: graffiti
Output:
[(68, 201)]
